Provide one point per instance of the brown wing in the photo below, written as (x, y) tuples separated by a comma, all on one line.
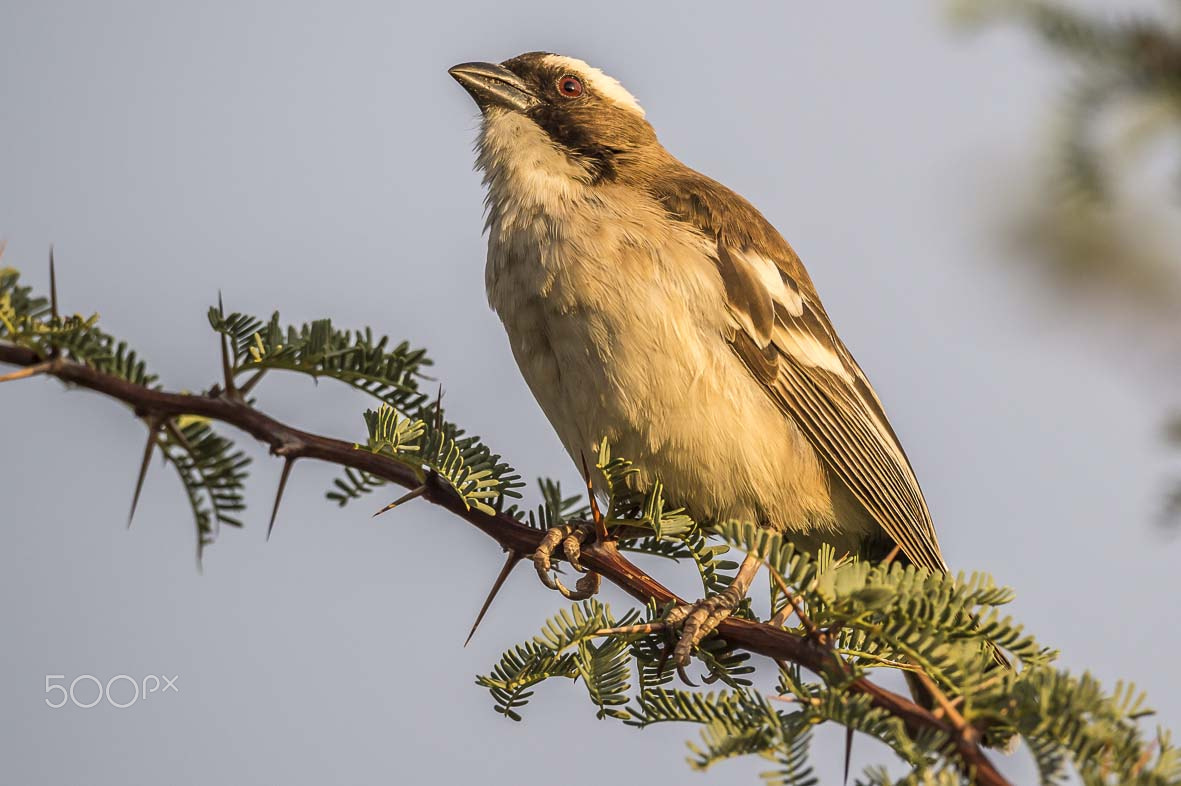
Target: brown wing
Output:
[(783, 335)]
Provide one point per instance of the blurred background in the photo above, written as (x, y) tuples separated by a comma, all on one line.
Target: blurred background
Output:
[(985, 194)]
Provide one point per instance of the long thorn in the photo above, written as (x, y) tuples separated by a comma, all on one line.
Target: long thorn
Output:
[(439, 409), (418, 492), (54, 350), (848, 751), (288, 463), (153, 431), (27, 371), (52, 283), (510, 562), (596, 514)]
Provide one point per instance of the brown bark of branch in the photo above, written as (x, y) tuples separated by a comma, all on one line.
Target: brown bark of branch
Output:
[(512, 535)]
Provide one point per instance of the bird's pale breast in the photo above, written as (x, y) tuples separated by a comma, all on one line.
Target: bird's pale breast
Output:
[(615, 319)]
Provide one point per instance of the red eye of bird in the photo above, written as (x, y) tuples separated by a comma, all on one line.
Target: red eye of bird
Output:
[(570, 86)]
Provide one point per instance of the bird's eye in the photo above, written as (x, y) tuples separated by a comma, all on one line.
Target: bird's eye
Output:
[(570, 86)]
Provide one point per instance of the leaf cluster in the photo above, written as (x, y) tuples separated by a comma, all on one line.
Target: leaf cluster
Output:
[(391, 372), (210, 467), (408, 424), (870, 616), (31, 321), (567, 647), (433, 445)]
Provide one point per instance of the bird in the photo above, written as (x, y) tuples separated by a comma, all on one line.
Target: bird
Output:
[(651, 306)]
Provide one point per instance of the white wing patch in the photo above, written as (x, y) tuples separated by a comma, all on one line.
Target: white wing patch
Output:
[(809, 351), (604, 85), (772, 279)]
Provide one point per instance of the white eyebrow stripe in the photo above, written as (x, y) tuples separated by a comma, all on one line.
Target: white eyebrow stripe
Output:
[(601, 83)]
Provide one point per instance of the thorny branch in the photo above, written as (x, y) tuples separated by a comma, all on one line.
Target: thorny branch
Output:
[(513, 536)]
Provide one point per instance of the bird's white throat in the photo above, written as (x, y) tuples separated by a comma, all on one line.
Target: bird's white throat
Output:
[(524, 171)]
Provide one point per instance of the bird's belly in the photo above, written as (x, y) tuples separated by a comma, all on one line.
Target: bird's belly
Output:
[(642, 367)]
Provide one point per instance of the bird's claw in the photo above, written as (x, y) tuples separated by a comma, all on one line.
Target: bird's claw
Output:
[(699, 620), (570, 538)]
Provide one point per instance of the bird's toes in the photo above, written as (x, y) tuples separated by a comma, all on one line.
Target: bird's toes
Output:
[(542, 556), (698, 621), (572, 546), (568, 537)]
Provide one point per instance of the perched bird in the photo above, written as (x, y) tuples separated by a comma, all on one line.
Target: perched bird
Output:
[(652, 306)]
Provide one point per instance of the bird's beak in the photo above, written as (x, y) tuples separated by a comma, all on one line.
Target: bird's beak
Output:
[(491, 85)]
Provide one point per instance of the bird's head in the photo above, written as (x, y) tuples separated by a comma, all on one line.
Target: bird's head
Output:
[(546, 115)]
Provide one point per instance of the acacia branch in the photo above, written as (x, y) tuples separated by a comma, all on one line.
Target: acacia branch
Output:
[(512, 535)]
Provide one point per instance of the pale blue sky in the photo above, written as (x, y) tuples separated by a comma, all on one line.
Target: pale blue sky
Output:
[(316, 158)]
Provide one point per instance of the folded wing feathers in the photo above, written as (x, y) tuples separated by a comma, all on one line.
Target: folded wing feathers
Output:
[(789, 345)]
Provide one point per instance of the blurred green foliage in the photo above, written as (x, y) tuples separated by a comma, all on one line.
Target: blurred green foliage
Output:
[(1105, 219)]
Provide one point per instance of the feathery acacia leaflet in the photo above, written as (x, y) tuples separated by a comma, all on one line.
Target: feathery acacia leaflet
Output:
[(210, 467)]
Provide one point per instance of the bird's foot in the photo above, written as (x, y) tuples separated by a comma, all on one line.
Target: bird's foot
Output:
[(570, 538), (701, 619)]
